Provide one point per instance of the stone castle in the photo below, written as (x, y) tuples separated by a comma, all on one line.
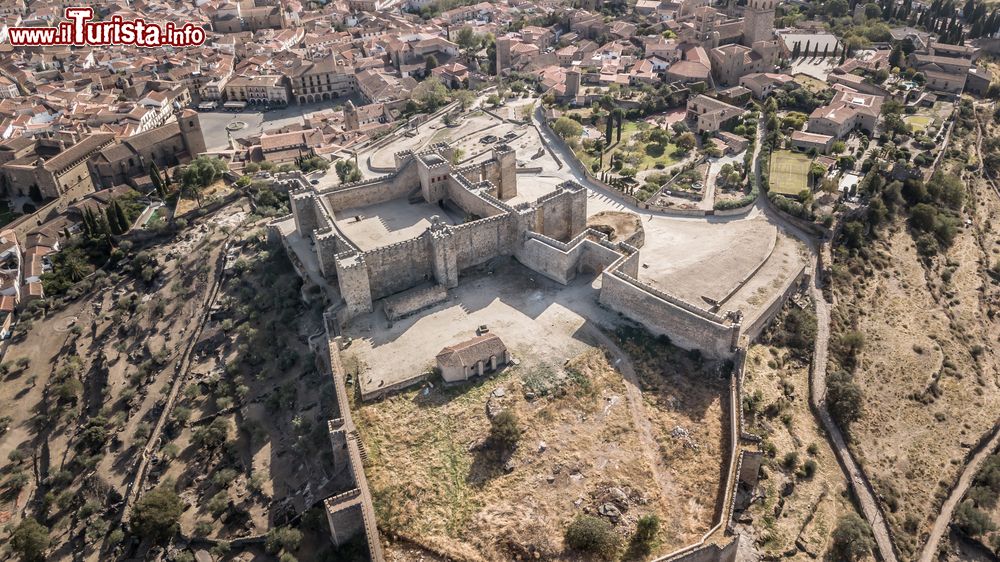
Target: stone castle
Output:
[(548, 235), (440, 253)]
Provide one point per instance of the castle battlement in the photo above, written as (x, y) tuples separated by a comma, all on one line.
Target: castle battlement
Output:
[(354, 184), (477, 223), (401, 245)]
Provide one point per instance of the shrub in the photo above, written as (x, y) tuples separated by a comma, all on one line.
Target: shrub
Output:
[(283, 538), (973, 521), (791, 460), (593, 535), (852, 539), (155, 516), (644, 539), (808, 469), (504, 431), (30, 540), (844, 397)]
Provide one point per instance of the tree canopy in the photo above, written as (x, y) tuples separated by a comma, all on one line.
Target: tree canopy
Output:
[(156, 514)]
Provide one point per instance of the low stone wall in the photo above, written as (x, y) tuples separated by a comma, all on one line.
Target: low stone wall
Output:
[(707, 553), (753, 330), (734, 212), (687, 326)]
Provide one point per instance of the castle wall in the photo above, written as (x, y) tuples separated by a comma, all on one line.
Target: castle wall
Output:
[(686, 325), (562, 214), (469, 201), (588, 252), (328, 245), (558, 265), (304, 211), (708, 553), (373, 191), (480, 241), (345, 524), (355, 287), (399, 266)]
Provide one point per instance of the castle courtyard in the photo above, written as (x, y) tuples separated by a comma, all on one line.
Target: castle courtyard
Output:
[(515, 303), (392, 221)]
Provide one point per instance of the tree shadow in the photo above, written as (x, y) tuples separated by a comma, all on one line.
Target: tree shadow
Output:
[(488, 462)]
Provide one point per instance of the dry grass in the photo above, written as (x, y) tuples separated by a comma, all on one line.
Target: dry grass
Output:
[(620, 225), (217, 190), (778, 385), (435, 483), (927, 399)]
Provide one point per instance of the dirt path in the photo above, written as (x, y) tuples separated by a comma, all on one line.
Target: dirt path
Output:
[(863, 490), (860, 485), (637, 407), (180, 376), (948, 508), (944, 516)]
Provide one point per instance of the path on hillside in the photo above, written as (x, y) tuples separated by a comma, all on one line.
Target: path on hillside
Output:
[(180, 377), (971, 468), (637, 407), (860, 485), (948, 508)]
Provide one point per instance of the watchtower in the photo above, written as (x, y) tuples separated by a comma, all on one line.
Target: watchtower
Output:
[(758, 21)]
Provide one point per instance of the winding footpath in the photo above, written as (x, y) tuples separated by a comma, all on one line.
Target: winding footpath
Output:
[(817, 396), (637, 407), (965, 479), (856, 478)]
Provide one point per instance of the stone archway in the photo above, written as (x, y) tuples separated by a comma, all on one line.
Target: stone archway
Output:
[(326, 96)]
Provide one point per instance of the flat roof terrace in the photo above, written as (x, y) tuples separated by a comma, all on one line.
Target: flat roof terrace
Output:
[(387, 223)]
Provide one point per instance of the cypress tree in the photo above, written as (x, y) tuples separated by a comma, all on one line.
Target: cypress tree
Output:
[(123, 224), (156, 178), (111, 220), (607, 128), (88, 223)]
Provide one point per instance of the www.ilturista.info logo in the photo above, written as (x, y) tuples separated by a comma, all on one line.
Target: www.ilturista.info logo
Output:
[(79, 30)]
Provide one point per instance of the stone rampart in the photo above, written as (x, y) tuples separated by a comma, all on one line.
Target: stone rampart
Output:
[(397, 267), (479, 241), (470, 200), (410, 302), (685, 324), (758, 324), (363, 194), (707, 553)]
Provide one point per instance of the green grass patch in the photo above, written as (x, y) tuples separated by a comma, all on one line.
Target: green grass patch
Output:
[(789, 173), (918, 122)]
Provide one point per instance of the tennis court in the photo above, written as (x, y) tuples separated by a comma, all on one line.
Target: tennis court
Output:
[(789, 172)]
